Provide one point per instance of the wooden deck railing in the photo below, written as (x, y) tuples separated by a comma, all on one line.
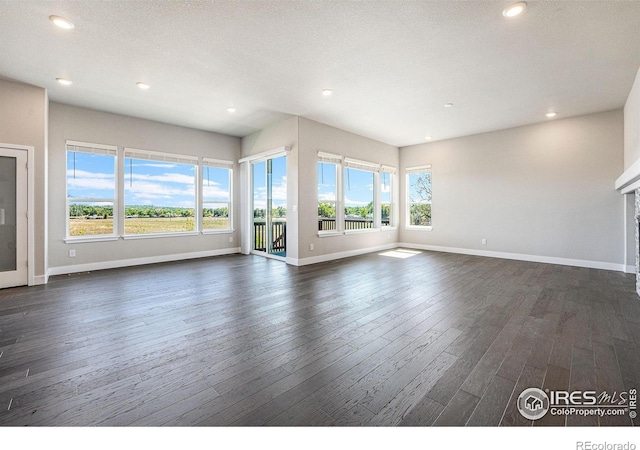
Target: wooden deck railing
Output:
[(278, 233), (325, 224)]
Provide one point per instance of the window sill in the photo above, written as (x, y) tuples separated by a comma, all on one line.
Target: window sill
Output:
[(80, 240), (364, 230), (225, 231), (330, 233), (388, 228), (417, 228), (159, 235)]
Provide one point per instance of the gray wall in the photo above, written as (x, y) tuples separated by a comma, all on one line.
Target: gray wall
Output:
[(632, 125), (544, 189), (79, 124), (23, 121), (281, 134), (314, 137)]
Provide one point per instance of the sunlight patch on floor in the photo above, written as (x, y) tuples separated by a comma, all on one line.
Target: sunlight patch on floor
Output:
[(400, 253)]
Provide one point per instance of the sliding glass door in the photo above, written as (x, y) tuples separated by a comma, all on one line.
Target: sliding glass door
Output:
[(269, 185)]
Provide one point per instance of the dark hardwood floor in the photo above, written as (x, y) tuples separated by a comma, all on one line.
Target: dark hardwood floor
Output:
[(435, 339)]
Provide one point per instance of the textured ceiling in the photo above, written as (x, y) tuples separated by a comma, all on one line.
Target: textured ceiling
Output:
[(391, 64)]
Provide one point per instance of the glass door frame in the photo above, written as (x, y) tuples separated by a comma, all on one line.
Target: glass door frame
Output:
[(9, 150), (268, 177)]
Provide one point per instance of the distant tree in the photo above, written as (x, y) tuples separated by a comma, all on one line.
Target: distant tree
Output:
[(420, 212), (326, 210)]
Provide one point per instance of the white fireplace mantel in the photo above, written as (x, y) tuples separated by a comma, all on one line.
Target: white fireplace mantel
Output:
[(629, 181)]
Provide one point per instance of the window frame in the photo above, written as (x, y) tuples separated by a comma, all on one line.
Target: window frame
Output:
[(220, 164), (341, 163), (336, 161), (363, 166), (391, 171), (152, 155), (408, 203), (95, 149)]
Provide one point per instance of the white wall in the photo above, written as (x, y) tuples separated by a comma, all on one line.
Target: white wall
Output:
[(544, 190), (23, 121), (632, 125), (80, 124), (315, 137), (281, 134)]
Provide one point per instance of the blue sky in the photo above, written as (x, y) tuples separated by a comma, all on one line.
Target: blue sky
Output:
[(168, 184), (278, 182), (145, 182), (358, 185)]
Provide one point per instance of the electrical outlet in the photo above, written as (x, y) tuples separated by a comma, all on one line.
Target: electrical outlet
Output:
[(310, 247), (484, 242), (72, 253), (231, 239), (295, 208)]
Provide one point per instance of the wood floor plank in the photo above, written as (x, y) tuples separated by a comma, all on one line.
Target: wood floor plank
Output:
[(458, 411), (435, 339), (493, 403)]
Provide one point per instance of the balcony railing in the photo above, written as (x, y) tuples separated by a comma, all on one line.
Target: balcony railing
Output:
[(278, 233), (326, 224)]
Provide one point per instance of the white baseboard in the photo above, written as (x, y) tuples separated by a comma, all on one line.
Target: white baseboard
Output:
[(629, 269), (521, 257), (340, 255), (40, 279), (63, 270)]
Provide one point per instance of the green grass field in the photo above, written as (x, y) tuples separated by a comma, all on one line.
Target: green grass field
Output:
[(146, 225)]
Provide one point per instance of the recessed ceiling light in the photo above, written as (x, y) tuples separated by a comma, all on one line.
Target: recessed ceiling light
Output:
[(448, 105), (64, 81), (514, 9), (142, 85), (61, 22), (550, 114), (231, 110), (327, 92), (428, 138)]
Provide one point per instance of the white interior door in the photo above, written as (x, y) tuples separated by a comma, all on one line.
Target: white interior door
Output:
[(13, 218)]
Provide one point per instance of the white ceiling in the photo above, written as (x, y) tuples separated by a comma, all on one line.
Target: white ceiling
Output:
[(391, 64)]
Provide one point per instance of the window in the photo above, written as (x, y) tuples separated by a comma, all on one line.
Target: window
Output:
[(159, 193), (91, 189), (359, 194), (217, 180), (419, 196), (386, 196), (328, 182)]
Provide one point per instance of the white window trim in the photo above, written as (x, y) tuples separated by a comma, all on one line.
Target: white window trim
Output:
[(328, 158), (409, 171), (159, 235), (96, 149), (346, 162), (152, 155), (392, 207), (95, 238), (220, 164), (376, 198)]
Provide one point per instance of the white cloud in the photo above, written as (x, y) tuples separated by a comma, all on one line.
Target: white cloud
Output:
[(349, 202), (165, 178), (214, 191), (157, 165), (90, 181), (143, 191), (327, 196)]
